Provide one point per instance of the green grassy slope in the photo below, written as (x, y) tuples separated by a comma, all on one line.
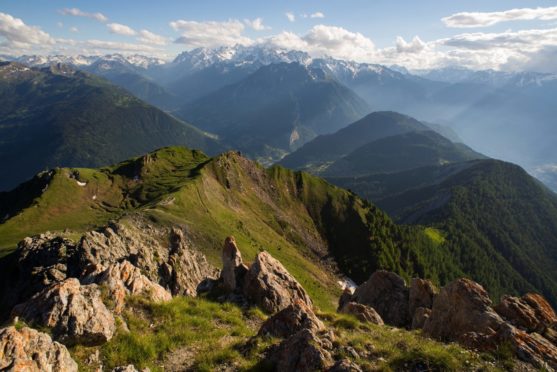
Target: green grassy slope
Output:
[(61, 117), (311, 226)]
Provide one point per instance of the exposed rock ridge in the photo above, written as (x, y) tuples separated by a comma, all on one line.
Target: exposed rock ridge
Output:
[(462, 312)]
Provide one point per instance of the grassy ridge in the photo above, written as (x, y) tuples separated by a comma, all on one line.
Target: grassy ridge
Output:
[(312, 227)]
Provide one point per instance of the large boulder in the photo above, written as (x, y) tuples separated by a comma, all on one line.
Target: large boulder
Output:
[(269, 285), (233, 268), (123, 279), (387, 293), (290, 320), (74, 312), (306, 350), (462, 307), (531, 312), (29, 350), (364, 313), (421, 294)]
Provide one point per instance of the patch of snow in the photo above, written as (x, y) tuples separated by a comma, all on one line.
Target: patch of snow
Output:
[(82, 184)]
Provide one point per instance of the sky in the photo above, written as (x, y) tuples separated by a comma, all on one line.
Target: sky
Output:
[(503, 35)]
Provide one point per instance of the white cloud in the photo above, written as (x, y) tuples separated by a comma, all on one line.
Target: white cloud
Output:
[(317, 15), (60, 24), (256, 24), (324, 40), (17, 35), (415, 46), (291, 17), (513, 41), (148, 37), (74, 29), (120, 29), (210, 34), (79, 13), (484, 19), (339, 42)]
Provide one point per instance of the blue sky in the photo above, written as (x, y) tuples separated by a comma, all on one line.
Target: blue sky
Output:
[(407, 32)]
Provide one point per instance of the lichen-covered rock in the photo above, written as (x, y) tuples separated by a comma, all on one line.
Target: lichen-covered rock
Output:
[(269, 285), (290, 320), (38, 262), (345, 365), (74, 312), (123, 279), (421, 314), (462, 312), (421, 294), (529, 347), (387, 293), (163, 254), (531, 312), (304, 351), (461, 307), (364, 313), (233, 268), (29, 350)]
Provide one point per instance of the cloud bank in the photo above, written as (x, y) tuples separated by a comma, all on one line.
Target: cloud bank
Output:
[(484, 19)]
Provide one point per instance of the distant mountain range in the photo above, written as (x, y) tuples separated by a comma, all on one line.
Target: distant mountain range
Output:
[(505, 115), (58, 116), (276, 109)]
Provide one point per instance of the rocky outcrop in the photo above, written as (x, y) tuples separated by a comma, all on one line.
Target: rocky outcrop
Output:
[(37, 263), (306, 350), (462, 307), (268, 285), (362, 312), (291, 320), (74, 312), (233, 268), (421, 294), (29, 350), (163, 254), (531, 312), (462, 312), (387, 293), (123, 279)]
